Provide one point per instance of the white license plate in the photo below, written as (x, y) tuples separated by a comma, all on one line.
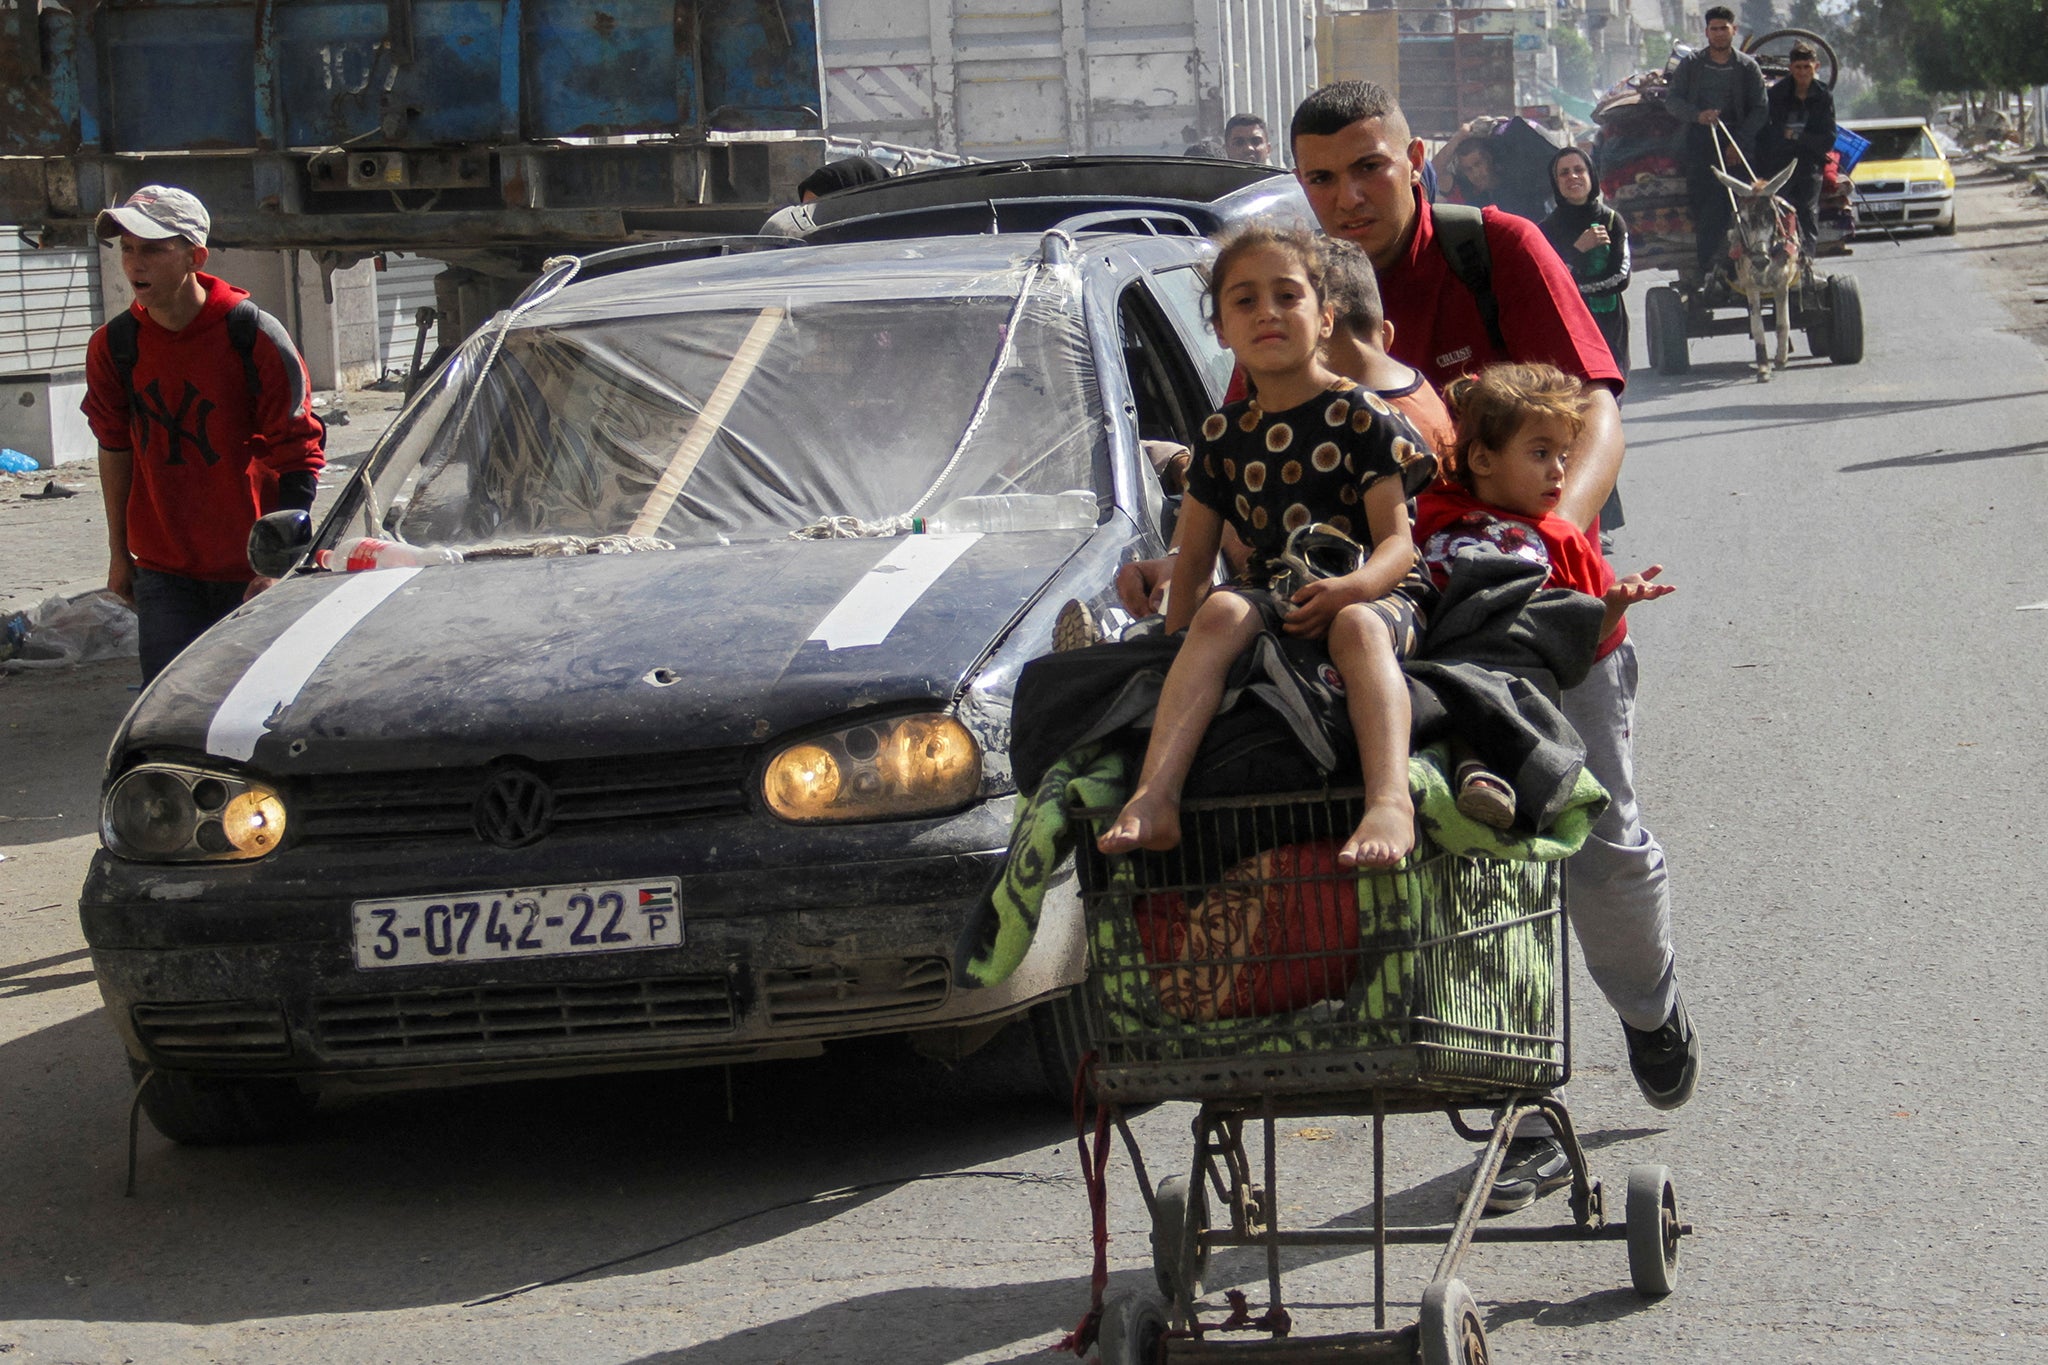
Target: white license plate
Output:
[(539, 921)]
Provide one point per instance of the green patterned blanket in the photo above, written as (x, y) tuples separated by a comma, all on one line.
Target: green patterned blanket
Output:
[(1097, 777)]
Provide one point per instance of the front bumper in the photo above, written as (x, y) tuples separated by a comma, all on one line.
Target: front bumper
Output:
[(791, 940), (1903, 210)]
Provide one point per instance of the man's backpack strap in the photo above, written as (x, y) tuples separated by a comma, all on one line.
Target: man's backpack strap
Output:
[(124, 346), (122, 331), (1461, 236)]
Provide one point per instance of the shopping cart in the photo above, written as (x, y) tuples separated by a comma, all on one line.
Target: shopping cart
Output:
[(1246, 971)]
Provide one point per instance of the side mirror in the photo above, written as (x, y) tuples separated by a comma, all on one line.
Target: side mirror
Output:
[(278, 541)]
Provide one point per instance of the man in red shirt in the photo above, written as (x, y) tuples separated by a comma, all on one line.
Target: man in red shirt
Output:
[(1362, 173), (1361, 170), (203, 412)]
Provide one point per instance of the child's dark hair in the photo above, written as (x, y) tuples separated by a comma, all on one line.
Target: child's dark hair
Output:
[(1305, 246), (1354, 291), (1491, 408)]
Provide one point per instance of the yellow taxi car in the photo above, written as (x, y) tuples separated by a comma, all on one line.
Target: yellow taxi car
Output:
[(1904, 179)]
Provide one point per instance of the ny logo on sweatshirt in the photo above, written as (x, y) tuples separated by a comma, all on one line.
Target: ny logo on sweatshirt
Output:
[(151, 408)]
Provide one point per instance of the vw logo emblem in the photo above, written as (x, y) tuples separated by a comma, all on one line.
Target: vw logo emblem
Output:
[(514, 809)]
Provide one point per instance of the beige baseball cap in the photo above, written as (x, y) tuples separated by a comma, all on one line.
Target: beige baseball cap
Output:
[(155, 212)]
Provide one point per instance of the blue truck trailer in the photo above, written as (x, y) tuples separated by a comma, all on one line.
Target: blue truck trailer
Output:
[(488, 133)]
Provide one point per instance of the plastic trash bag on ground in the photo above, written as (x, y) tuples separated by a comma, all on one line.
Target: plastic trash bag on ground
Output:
[(67, 631)]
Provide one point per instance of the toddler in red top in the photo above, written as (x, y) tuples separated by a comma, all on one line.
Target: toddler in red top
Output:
[(1499, 495)]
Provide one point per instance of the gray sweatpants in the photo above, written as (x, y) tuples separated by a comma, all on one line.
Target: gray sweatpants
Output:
[(1615, 889)]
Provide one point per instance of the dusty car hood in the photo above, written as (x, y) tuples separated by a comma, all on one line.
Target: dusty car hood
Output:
[(550, 658)]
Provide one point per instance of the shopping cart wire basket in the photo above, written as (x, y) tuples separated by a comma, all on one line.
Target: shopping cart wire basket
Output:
[(1247, 962)]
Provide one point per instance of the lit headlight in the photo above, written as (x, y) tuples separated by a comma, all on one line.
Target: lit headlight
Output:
[(162, 812), (889, 769), (1925, 187)]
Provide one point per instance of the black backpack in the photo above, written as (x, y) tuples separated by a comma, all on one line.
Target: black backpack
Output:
[(124, 331), (1461, 236)]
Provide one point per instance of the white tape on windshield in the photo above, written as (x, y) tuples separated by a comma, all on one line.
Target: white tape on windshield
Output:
[(866, 615), (273, 681)]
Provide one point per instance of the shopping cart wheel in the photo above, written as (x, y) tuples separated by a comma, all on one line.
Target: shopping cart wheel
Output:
[(1652, 1231), (1451, 1331), (1178, 1263), (1133, 1327)]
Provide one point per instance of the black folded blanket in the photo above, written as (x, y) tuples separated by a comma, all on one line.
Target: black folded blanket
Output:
[(1498, 649)]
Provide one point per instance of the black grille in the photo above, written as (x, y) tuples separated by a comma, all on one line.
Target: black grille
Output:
[(436, 803), (521, 1017), (216, 1029), (854, 990)]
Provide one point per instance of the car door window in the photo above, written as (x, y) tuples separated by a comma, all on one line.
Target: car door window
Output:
[(1184, 292), (1168, 389), (1168, 398)]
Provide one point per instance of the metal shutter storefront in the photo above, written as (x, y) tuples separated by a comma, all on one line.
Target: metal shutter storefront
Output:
[(49, 306), (405, 284)]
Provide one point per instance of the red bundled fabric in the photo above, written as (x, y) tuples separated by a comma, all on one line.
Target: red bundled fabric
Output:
[(1277, 934)]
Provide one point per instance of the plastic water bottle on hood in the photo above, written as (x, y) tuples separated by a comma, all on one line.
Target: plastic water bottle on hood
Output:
[(1072, 510), (354, 554)]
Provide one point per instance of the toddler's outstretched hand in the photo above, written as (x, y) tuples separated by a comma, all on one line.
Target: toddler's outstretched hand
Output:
[(1637, 587)]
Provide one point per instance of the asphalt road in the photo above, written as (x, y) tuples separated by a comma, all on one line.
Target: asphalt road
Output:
[(1841, 745)]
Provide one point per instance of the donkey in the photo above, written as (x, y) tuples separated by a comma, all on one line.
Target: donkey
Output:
[(1764, 245)]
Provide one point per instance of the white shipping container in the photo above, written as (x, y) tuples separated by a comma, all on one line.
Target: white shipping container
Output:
[(1009, 78)]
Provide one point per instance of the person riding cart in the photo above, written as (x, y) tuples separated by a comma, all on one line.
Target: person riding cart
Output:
[(1799, 128), (1717, 93)]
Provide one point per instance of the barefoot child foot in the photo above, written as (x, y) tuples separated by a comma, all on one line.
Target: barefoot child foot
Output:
[(1382, 839), (1146, 821)]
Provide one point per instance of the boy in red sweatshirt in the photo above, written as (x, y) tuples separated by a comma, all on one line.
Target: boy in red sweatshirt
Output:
[(203, 412)]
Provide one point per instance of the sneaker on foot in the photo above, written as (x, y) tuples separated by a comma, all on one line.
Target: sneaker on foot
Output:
[(1533, 1166), (1075, 628), (1665, 1059), (1485, 796)]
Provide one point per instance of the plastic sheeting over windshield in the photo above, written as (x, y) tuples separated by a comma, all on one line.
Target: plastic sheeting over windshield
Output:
[(865, 408)]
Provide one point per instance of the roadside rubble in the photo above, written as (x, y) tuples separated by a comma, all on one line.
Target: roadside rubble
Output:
[(2019, 163)]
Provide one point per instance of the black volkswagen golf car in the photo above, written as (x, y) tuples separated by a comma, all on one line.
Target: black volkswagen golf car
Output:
[(664, 718)]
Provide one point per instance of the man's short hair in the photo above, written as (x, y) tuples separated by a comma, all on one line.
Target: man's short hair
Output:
[(1480, 145), (1340, 104), (1352, 290), (1802, 53), (1237, 121), (843, 174), (1718, 12), (1208, 147)]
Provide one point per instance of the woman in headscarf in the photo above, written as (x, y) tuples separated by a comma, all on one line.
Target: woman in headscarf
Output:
[(1591, 239)]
